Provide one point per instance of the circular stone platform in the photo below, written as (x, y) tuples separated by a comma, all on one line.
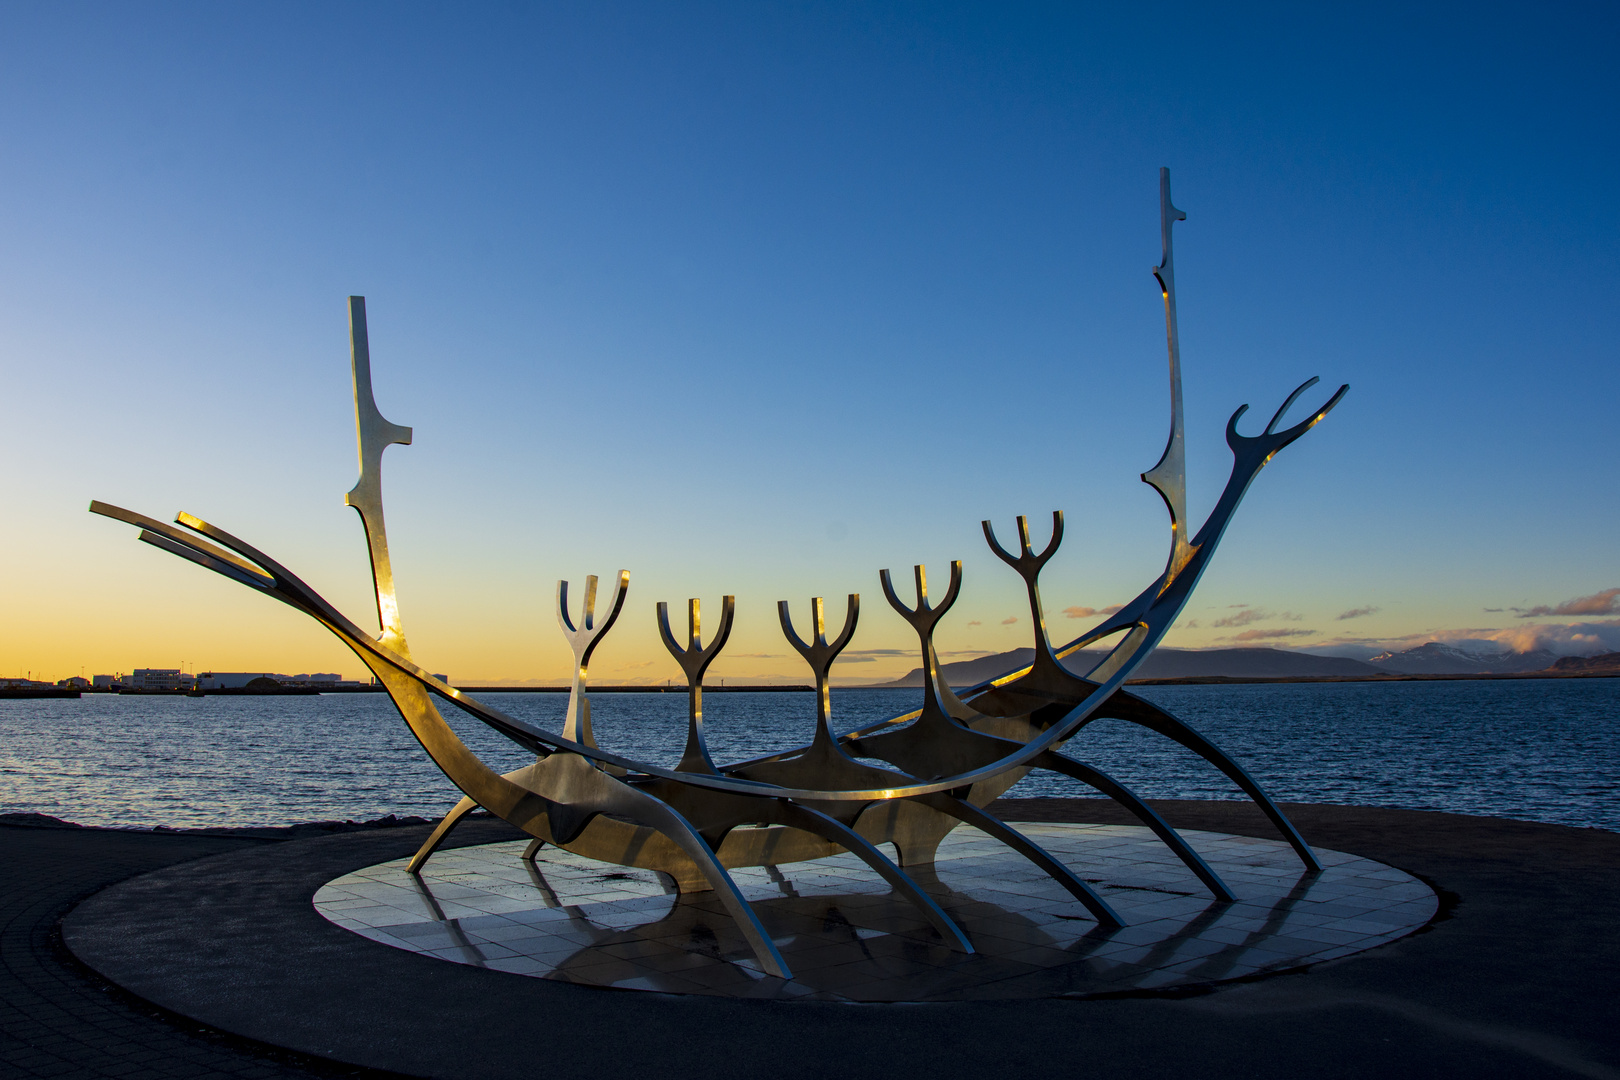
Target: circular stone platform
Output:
[(847, 937)]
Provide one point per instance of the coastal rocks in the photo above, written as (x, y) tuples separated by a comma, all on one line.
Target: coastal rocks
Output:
[(284, 832), (1606, 662)]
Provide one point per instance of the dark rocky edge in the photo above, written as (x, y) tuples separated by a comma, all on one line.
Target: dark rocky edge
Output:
[(1608, 662), (261, 832)]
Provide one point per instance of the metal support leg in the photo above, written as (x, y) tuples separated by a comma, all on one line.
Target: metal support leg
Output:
[(967, 813), (829, 828), (431, 844), (1136, 711), (1144, 813), (664, 818)]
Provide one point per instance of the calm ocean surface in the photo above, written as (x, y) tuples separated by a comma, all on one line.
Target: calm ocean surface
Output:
[(1543, 750)]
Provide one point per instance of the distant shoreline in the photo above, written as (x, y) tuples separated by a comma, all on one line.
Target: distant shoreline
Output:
[(771, 688), (1199, 680), (1224, 680), (1191, 680)]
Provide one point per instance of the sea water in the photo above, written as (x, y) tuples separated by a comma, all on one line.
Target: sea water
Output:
[(1536, 749)]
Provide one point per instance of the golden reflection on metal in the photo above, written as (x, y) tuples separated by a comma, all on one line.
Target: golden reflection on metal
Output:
[(942, 763), (1169, 476), (583, 640), (819, 654), (374, 435), (695, 660), (1029, 566)]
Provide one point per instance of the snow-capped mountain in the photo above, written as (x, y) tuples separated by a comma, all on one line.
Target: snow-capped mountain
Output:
[(1437, 659)]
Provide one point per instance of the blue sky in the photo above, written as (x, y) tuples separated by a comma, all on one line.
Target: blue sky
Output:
[(762, 298)]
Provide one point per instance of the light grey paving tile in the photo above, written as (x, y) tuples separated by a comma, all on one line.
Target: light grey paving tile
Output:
[(1324, 935), (345, 904), (388, 939), (492, 895), (511, 932), (520, 965)]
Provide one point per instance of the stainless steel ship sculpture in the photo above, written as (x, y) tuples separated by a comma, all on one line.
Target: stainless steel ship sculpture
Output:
[(943, 763)]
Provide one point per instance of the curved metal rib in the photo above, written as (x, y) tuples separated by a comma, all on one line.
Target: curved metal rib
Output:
[(574, 780), (1127, 798), (1145, 620), (1135, 710), (577, 722), (1250, 454), (829, 828), (559, 795), (290, 590), (667, 821), (986, 822), (715, 814)]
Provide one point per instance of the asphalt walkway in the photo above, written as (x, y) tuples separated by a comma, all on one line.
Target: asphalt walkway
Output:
[(58, 1018), (1519, 978)]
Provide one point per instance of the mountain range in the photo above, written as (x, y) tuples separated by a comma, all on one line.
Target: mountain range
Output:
[(1432, 658), (1437, 659), (1164, 664)]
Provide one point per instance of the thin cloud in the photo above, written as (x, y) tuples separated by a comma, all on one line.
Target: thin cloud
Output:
[(1355, 613), (878, 652), (1078, 612), (1009, 620), (1572, 638), (1270, 635), (1253, 615), (975, 622), (1606, 602)]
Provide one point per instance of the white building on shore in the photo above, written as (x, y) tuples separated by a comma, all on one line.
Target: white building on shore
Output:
[(159, 679), (237, 680)]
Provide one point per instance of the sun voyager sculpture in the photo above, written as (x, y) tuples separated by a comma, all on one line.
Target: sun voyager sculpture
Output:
[(941, 764)]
